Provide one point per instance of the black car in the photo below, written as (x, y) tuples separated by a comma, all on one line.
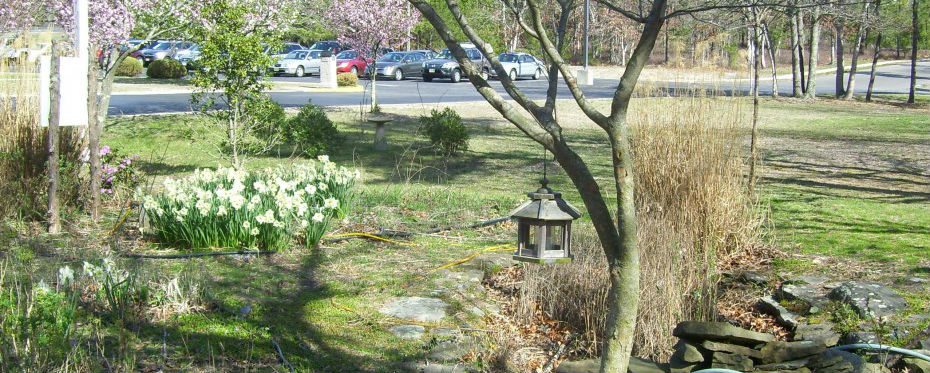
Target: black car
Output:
[(444, 66), (398, 65), (328, 45)]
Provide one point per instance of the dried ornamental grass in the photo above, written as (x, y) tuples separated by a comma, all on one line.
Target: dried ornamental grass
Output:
[(234, 208), (693, 214)]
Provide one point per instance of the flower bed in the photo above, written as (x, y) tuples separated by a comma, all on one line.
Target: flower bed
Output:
[(229, 208)]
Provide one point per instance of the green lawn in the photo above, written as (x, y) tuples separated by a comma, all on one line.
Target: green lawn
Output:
[(843, 180)]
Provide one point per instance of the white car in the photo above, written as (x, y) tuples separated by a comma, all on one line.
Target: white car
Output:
[(521, 65), (298, 63)]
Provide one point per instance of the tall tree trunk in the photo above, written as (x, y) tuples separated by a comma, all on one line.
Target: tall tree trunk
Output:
[(861, 34), (756, 65), (914, 36), (374, 80), (800, 20), (54, 210), (93, 135), (773, 51), (811, 91), (797, 89), (878, 49), (839, 27)]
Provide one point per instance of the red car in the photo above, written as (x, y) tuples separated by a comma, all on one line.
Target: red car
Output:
[(351, 61)]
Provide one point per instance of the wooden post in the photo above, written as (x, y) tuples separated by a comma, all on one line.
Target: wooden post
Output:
[(54, 220), (93, 140)]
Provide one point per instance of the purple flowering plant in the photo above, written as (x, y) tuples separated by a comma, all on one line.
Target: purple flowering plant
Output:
[(118, 172)]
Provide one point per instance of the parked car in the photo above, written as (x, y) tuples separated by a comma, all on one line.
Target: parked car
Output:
[(521, 65), (398, 65), (160, 51), (430, 54), (139, 46), (189, 56), (445, 66), (328, 45), (298, 63), (350, 61), (284, 51)]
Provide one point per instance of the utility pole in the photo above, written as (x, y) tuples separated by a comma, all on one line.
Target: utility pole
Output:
[(587, 26), (586, 76)]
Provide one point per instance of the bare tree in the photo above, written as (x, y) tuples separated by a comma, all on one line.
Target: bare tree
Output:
[(616, 232), (811, 91), (915, 35), (861, 34), (877, 52)]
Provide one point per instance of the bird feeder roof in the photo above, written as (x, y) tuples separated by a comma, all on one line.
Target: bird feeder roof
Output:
[(544, 204)]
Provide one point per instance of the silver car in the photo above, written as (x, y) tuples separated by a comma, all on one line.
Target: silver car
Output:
[(521, 65), (298, 63)]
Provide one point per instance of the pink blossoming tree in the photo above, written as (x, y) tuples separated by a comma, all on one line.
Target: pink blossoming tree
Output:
[(369, 25), (112, 22)]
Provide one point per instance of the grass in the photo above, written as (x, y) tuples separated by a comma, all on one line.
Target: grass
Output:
[(850, 184)]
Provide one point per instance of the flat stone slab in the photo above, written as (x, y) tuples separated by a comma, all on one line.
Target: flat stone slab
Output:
[(720, 331), (784, 317), (731, 361), (733, 349), (836, 361), (637, 365), (687, 352), (869, 299), (415, 308), (777, 352), (452, 350), (407, 331), (822, 333), (812, 295)]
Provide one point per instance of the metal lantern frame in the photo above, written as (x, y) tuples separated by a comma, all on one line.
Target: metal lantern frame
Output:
[(544, 227)]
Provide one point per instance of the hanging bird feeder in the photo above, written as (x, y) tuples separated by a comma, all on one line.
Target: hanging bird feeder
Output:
[(544, 227)]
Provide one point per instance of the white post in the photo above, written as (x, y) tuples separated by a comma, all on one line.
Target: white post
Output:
[(328, 72), (72, 74)]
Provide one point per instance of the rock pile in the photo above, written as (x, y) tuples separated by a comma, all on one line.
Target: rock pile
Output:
[(705, 345)]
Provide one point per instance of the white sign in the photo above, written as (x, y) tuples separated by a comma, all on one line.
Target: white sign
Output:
[(72, 73)]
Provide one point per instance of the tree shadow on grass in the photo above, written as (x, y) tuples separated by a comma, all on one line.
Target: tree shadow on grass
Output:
[(278, 309)]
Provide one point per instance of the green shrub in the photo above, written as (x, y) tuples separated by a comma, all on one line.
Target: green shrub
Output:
[(37, 323), (311, 131), (445, 131), (267, 119), (129, 67), (230, 208), (346, 80), (166, 69)]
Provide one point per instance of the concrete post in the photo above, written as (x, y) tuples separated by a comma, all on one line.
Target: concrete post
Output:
[(328, 72)]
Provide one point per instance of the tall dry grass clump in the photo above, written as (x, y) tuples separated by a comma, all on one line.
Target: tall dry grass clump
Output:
[(23, 143), (693, 214)]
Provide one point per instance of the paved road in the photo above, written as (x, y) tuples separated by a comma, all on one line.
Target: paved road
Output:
[(891, 79)]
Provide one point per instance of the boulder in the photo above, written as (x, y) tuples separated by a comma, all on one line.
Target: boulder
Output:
[(859, 337), (407, 331), (810, 295), (799, 370), (731, 361), (677, 365), (730, 348), (776, 352), (720, 331), (784, 317), (784, 365), (687, 352), (915, 365), (822, 333), (836, 361), (869, 299), (415, 308), (637, 365)]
